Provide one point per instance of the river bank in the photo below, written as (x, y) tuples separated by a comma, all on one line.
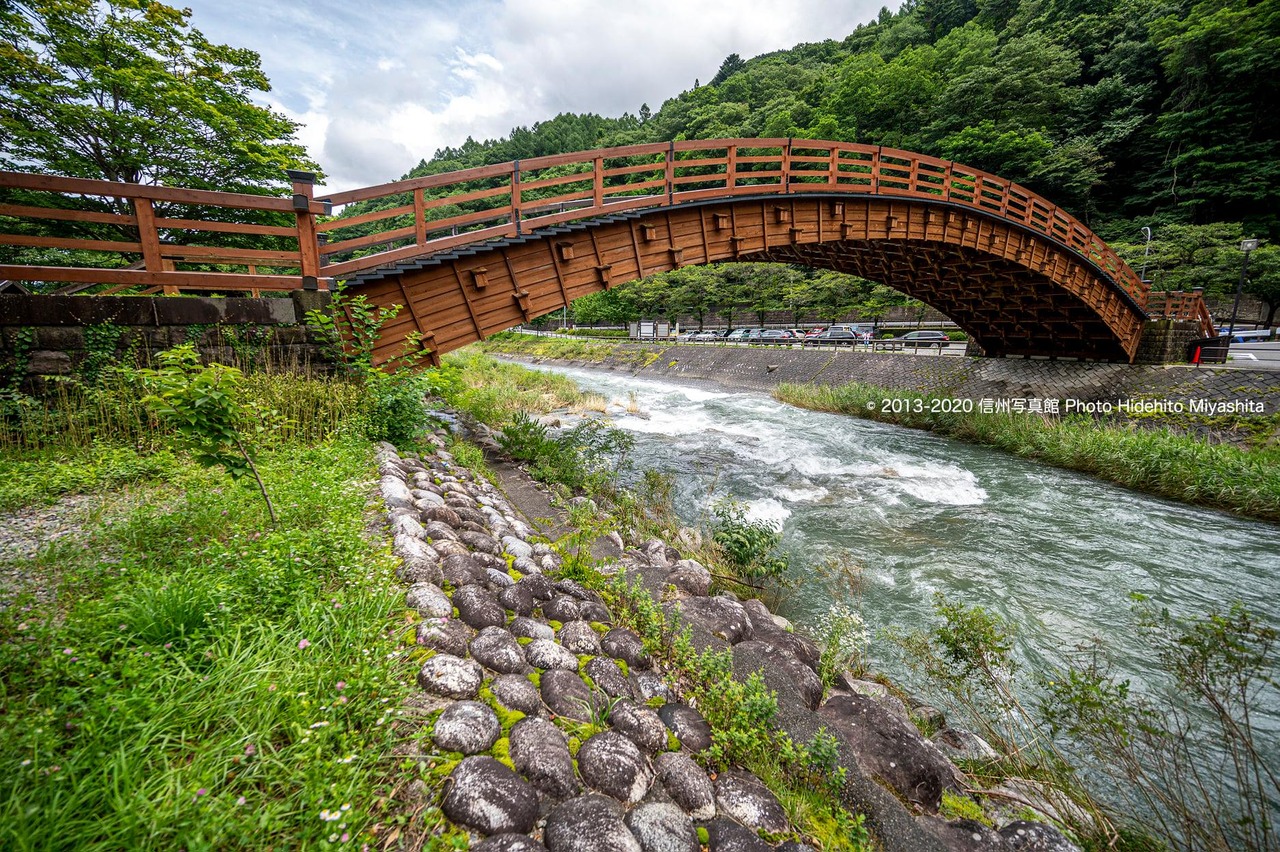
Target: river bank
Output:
[(1042, 550), (636, 666), (1228, 461)]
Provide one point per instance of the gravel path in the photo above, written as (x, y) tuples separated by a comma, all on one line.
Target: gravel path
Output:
[(25, 531)]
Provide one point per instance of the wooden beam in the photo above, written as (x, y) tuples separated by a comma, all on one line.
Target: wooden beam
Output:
[(471, 311)]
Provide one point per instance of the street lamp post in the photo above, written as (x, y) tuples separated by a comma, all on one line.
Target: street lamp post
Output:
[(1145, 255), (1246, 246)]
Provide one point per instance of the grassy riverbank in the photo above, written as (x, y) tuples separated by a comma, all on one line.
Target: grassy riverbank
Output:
[(176, 671), (567, 349), (1157, 461)]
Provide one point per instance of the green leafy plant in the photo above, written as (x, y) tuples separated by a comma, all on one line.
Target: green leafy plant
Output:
[(100, 344), (203, 405), (349, 329), (751, 547), (1220, 669)]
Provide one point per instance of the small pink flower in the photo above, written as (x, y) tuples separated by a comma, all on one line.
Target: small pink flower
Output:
[(67, 651), (168, 644), (240, 801), (342, 699), (271, 688), (202, 792), (342, 684), (345, 837), (304, 644), (250, 749)]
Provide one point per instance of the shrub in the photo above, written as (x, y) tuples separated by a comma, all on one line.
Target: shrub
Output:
[(750, 546)]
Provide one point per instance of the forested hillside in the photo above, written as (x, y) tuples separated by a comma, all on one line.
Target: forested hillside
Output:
[(1115, 109), (1128, 113)]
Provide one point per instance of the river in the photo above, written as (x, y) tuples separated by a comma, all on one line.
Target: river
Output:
[(1055, 553)]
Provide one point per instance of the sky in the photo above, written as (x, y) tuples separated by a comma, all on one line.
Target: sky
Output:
[(379, 85)]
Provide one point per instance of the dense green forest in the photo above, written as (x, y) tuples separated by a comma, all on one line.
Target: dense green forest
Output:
[(1115, 109), (1128, 113)]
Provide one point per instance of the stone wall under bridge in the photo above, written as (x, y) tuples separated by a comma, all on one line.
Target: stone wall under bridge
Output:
[(45, 337)]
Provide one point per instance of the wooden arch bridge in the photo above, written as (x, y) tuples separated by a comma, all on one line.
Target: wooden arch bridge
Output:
[(470, 253)]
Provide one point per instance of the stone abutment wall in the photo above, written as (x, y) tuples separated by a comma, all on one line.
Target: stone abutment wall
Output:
[(46, 337)]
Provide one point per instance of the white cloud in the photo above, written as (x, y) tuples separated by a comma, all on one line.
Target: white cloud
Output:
[(385, 84)]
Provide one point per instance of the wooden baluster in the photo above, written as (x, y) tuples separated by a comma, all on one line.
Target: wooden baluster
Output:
[(671, 172), (150, 239), (419, 217), (308, 245), (786, 166), (731, 168), (515, 195), (597, 183), (833, 168)]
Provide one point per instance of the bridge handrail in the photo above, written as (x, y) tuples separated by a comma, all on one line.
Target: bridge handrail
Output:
[(433, 213), (1182, 306), (153, 235)]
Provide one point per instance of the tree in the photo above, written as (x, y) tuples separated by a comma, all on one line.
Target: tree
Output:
[(126, 90), (1264, 280), (1223, 58), (732, 65)]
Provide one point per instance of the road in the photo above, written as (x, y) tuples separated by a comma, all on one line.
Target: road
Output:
[(1244, 356), (1255, 356)]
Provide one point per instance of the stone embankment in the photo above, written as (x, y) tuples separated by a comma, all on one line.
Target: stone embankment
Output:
[(559, 732), (763, 369)]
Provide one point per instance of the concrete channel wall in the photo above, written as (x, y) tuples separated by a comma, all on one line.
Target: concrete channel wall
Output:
[(958, 377)]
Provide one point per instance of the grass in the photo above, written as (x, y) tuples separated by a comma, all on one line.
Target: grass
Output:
[(567, 349), (494, 391), (201, 679), (180, 673), (74, 414), (1157, 461)]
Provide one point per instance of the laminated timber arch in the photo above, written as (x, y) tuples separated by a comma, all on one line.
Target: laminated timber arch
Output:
[(1014, 291), (522, 239)]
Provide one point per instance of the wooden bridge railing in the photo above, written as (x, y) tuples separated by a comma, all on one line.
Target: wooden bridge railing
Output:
[(160, 239), (1183, 306), (420, 216)]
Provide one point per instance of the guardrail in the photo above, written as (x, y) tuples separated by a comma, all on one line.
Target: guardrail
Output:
[(424, 215)]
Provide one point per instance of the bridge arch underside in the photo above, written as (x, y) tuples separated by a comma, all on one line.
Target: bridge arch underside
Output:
[(1014, 291)]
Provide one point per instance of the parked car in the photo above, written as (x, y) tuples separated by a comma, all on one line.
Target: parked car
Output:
[(775, 335), (917, 340), (685, 336), (835, 337), (741, 335), (707, 335), (814, 332)]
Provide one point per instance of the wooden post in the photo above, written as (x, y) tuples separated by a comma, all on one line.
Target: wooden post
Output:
[(597, 183), (671, 172), (515, 195), (731, 168), (786, 166), (152, 260), (419, 217), (308, 244)]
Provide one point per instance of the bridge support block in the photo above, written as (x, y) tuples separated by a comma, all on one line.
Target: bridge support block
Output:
[(1165, 341)]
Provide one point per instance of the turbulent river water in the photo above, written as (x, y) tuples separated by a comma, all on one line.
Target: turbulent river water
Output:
[(1055, 553)]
